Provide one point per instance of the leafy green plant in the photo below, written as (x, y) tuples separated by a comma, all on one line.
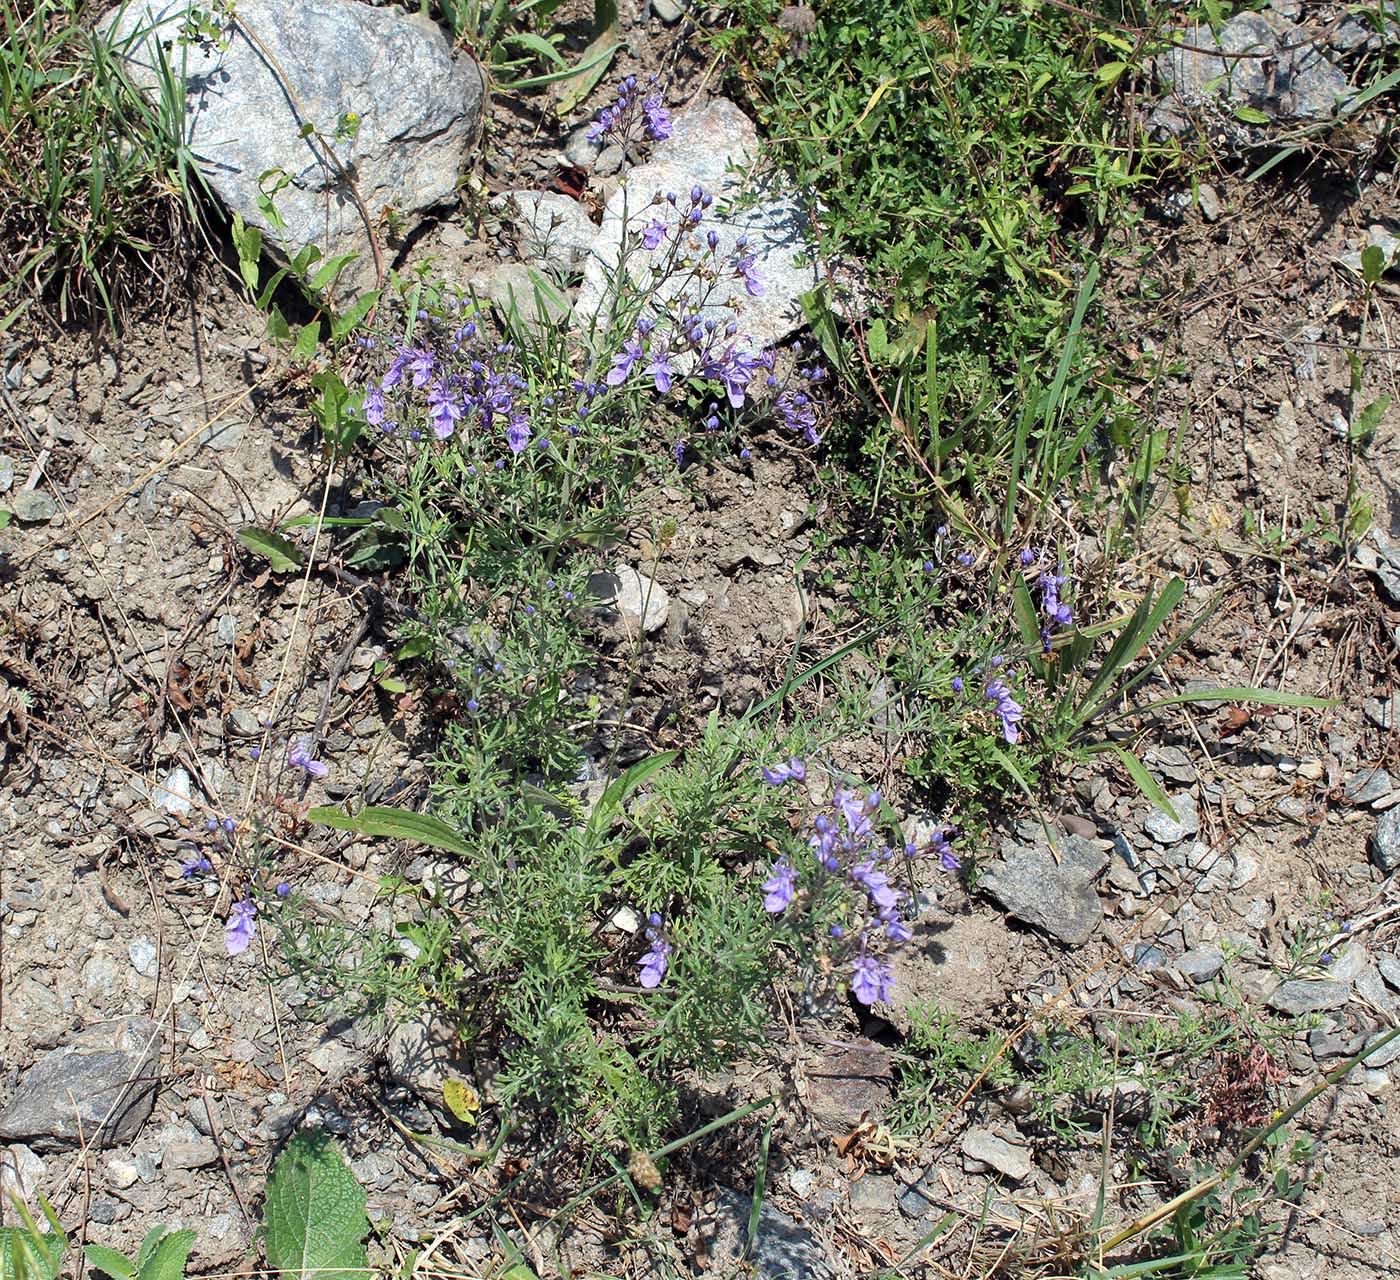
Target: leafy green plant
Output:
[(162, 1256), (26, 1253), (315, 1212)]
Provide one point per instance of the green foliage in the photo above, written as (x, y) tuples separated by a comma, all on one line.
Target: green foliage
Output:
[(315, 1213), (26, 1253), (162, 1256), (94, 181)]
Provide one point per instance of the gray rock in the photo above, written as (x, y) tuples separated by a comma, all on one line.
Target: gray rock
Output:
[(1385, 841), (100, 1087), (1390, 969), (242, 724), (707, 143), (189, 1155), (1201, 964), (143, 956), (515, 286), (173, 794), (982, 1147), (1209, 200), (1366, 786), (418, 111), (1056, 897), (1383, 714), (1382, 559), (638, 599), (580, 149), (553, 230), (1308, 995), (7, 472), (1383, 1056), (223, 436), (669, 11), (1165, 829), (32, 506), (782, 1249), (1283, 74), (22, 1174), (423, 1053)]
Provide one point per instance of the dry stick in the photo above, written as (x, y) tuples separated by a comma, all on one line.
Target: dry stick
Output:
[(223, 1156), (1209, 1184)]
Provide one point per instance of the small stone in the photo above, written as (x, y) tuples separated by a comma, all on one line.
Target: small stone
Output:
[(22, 1174), (189, 1155), (1383, 1056), (1201, 964), (609, 160), (848, 1085), (173, 795), (223, 436), (7, 472), (1058, 897), (122, 1173), (1209, 200), (143, 956), (580, 150), (1304, 995), (639, 600), (1385, 842), (242, 723), (626, 920), (1384, 714), (67, 1095), (872, 1195), (800, 1182), (668, 11), (781, 1250), (227, 629), (1366, 786), (1390, 970), (1165, 829), (32, 506), (983, 1147)]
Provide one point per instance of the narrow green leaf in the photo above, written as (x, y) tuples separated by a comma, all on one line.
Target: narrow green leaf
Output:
[(307, 337), (329, 269), (354, 313), (611, 801), (537, 45), (592, 65), (396, 824), (315, 1213), (1146, 783), (280, 553), (1140, 629)]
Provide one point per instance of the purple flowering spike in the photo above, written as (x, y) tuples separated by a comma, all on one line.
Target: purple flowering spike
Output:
[(793, 771), (657, 959), (658, 119), (871, 980), (780, 888), (517, 436), (240, 927), (374, 406)]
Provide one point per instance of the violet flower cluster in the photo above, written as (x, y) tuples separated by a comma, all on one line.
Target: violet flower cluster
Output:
[(843, 871), (634, 115), (658, 956)]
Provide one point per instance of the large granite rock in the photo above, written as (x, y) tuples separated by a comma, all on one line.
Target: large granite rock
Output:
[(709, 148), (1055, 895), (280, 65), (98, 1088)]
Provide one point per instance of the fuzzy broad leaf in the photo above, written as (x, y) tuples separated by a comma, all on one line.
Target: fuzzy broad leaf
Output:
[(316, 1222), (163, 1257), (278, 551), (397, 824)]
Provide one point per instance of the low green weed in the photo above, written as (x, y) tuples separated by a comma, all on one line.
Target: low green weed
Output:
[(96, 189)]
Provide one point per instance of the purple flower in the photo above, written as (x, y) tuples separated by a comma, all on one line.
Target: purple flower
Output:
[(745, 270), (658, 119), (443, 411), (964, 557), (661, 371), (895, 928), (240, 927), (623, 361), (732, 370), (1057, 613), (957, 684), (1007, 708), (658, 958), (949, 860), (654, 234), (793, 771), (299, 755), (876, 884), (1027, 556), (517, 436), (374, 406), (780, 888), (283, 888), (421, 364), (678, 452), (872, 981), (192, 867)]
